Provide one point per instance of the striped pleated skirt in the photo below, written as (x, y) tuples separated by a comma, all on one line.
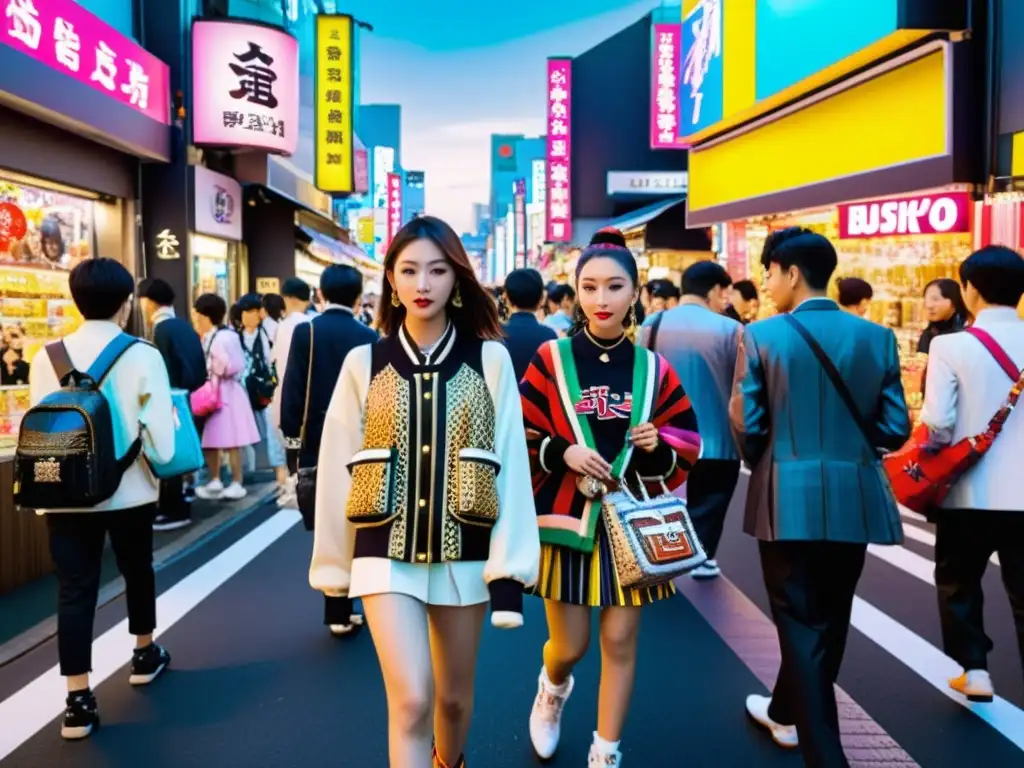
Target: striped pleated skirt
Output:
[(589, 578)]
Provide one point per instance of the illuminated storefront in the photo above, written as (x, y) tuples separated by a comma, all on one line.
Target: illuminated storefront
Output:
[(868, 144)]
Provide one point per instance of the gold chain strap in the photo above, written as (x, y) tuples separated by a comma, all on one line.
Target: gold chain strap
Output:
[(309, 381)]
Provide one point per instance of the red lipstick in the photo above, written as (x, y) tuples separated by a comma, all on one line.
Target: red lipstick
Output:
[(422, 303), (602, 315)]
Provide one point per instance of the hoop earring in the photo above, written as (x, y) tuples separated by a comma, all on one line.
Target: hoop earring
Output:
[(394, 299), (631, 326), (457, 298)]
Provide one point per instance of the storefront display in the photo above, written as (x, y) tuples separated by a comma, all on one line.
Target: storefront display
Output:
[(214, 268), (898, 267), (43, 235)]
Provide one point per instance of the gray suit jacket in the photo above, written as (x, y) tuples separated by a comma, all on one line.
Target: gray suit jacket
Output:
[(701, 347), (814, 476)]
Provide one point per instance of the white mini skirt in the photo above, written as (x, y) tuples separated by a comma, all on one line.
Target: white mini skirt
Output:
[(453, 584)]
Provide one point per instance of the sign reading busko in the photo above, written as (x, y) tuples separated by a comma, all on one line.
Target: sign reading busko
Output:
[(245, 81), (559, 151), (335, 145), (937, 214), (65, 37)]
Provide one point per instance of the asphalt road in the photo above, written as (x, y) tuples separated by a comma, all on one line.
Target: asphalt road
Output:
[(256, 680)]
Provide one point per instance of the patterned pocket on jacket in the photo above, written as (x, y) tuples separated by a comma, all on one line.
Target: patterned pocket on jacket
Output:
[(476, 487), (371, 500)]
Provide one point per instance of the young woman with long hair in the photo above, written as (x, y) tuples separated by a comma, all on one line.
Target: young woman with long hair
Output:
[(597, 410), (427, 522)]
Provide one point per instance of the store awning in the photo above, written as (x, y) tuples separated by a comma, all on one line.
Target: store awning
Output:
[(335, 250), (640, 217)]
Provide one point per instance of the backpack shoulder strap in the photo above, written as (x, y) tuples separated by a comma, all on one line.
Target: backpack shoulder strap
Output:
[(996, 351), (59, 358), (652, 337), (111, 353)]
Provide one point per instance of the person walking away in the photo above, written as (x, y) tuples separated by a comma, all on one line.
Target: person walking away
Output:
[(295, 294), (984, 512), (744, 303), (855, 295), (817, 395), (233, 426), (561, 300), (139, 393), (700, 343), (524, 335), (272, 312), (182, 352), (324, 343), (436, 398), (260, 379), (584, 385)]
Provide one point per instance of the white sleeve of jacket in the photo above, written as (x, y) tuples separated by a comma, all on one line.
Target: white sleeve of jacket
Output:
[(333, 536), (515, 539)]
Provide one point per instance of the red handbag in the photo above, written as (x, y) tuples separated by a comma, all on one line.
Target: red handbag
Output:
[(922, 474)]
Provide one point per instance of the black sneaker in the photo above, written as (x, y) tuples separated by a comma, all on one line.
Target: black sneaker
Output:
[(80, 716), (148, 663), (170, 523)]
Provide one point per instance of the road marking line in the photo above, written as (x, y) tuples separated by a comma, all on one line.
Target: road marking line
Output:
[(36, 705), (934, 667)]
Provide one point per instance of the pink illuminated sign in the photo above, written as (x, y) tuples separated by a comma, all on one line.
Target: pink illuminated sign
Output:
[(245, 82), (394, 205), (67, 38), (559, 151), (938, 214), (361, 170), (665, 86)]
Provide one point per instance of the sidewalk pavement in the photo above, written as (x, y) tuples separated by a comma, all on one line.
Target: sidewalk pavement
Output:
[(28, 614)]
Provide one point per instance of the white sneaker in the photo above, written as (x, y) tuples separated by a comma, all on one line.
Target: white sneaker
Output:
[(599, 759), (707, 570), (339, 630), (234, 492), (546, 717), (975, 684), (783, 735), (211, 491)]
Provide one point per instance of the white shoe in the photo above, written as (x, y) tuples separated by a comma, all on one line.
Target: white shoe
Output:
[(546, 716), (211, 491), (707, 570), (599, 759), (783, 735), (234, 492), (975, 684), (339, 630)]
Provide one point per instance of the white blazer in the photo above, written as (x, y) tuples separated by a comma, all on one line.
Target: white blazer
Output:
[(964, 389)]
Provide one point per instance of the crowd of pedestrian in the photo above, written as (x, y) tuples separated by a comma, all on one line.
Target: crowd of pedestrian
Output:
[(604, 397)]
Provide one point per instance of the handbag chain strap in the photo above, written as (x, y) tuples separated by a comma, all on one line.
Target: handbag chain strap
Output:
[(309, 382)]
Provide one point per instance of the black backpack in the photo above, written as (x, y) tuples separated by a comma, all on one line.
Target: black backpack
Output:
[(262, 379), (66, 457)]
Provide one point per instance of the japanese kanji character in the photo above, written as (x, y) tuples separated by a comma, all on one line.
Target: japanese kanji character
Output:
[(137, 86), (106, 68), (66, 44), (26, 27), (255, 82)]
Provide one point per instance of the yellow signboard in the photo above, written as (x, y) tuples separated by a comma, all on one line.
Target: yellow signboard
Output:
[(265, 285), (333, 94), (366, 230)]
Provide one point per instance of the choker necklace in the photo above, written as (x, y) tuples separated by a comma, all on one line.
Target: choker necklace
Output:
[(603, 357)]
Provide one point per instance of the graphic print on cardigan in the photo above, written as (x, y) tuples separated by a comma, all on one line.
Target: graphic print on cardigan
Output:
[(565, 516)]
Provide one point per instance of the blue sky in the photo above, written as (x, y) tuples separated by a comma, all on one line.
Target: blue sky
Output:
[(463, 70)]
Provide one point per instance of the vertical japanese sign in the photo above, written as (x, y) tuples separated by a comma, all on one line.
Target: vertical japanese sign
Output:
[(559, 150), (519, 213), (394, 205), (538, 186), (665, 60), (333, 104), (66, 37), (245, 86), (702, 77)]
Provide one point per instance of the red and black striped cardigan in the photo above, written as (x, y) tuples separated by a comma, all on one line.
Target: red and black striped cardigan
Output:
[(550, 392)]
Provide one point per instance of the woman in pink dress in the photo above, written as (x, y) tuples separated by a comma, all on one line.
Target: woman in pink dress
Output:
[(233, 426)]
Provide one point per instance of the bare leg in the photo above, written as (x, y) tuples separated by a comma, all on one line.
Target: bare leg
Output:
[(398, 624), (454, 640), (568, 638), (213, 462), (235, 458), (619, 628)]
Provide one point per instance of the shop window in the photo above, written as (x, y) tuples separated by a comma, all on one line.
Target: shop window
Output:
[(214, 268), (43, 235)]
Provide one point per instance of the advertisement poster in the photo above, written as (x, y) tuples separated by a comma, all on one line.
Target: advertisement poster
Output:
[(702, 78), (559, 151), (334, 145), (665, 61)]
